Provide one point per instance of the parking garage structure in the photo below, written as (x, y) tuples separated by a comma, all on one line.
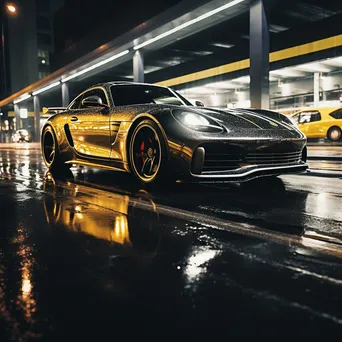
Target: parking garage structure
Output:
[(239, 53)]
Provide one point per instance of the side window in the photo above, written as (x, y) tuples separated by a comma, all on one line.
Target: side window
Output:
[(76, 103), (96, 92), (337, 114), (309, 116)]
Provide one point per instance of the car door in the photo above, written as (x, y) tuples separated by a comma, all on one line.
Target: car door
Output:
[(309, 123), (316, 129), (303, 121), (89, 125)]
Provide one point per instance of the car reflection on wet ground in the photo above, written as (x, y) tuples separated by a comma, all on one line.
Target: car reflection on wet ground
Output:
[(89, 254)]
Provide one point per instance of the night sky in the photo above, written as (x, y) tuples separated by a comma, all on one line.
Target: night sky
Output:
[(79, 18)]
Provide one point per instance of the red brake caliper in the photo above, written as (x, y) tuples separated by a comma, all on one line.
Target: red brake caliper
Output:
[(142, 147)]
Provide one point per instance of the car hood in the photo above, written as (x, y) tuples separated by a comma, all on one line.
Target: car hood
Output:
[(237, 123), (249, 123)]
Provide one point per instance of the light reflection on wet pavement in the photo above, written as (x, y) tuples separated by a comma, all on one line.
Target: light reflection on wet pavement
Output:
[(91, 255)]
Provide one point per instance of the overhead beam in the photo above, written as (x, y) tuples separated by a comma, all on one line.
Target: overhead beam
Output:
[(276, 56)]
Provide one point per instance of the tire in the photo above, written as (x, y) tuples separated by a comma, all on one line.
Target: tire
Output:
[(147, 153), (50, 150), (334, 133)]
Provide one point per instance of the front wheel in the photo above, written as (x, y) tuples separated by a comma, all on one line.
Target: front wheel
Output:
[(334, 133), (147, 153)]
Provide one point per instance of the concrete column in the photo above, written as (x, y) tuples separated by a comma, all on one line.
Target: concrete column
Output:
[(65, 95), (36, 106), (1, 133), (316, 88), (25, 124), (138, 67), (259, 50), (324, 95), (17, 117)]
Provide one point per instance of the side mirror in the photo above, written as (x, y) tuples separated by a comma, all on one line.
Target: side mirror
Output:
[(199, 104), (93, 101)]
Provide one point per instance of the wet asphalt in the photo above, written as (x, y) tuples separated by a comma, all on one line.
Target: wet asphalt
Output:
[(89, 254)]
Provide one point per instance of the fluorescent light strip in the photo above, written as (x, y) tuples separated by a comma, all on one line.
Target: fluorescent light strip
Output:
[(95, 66), (25, 97), (191, 22), (46, 88)]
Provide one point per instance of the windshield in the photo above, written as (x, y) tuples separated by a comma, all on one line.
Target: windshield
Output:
[(124, 95)]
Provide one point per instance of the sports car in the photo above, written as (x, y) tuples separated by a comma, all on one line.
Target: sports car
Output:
[(157, 135)]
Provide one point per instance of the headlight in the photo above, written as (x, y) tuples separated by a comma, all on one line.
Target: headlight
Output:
[(197, 122)]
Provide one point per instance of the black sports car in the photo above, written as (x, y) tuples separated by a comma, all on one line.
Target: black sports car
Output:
[(156, 134)]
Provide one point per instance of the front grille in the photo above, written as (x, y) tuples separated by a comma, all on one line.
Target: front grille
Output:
[(274, 158), (221, 162), (224, 158)]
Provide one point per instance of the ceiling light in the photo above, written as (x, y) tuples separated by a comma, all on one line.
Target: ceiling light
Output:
[(242, 79), (287, 73), (197, 90), (188, 23), (23, 98), (46, 88), (94, 66), (272, 78), (221, 85), (337, 61), (221, 45), (11, 8), (313, 67)]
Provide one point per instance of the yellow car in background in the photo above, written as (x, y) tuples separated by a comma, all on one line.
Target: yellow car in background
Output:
[(320, 122)]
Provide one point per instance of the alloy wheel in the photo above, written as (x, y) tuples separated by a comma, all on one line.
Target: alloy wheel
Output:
[(146, 152), (335, 134), (49, 147)]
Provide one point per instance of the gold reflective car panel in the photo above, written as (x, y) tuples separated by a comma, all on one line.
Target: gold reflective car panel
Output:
[(90, 132), (78, 211)]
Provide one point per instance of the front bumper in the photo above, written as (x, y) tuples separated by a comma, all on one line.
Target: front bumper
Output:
[(247, 173), (239, 161)]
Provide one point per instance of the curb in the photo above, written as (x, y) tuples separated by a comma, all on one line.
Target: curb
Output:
[(322, 173), (21, 148), (325, 158), (31, 146)]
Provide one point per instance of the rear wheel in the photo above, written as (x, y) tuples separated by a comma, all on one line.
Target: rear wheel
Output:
[(50, 149), (147, 153), (334, 133)]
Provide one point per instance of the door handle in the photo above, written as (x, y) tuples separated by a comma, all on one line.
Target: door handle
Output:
[(74, 118)]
